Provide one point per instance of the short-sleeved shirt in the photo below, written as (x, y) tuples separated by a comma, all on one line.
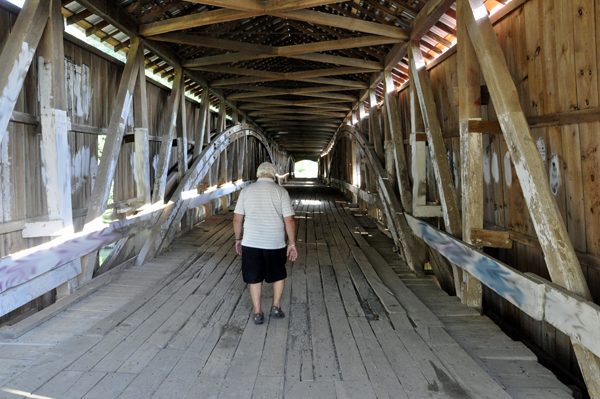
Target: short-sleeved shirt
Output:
[(264, 204)]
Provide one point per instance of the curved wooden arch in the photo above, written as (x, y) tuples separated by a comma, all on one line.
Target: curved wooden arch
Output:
[(165, 228), (401, 231)]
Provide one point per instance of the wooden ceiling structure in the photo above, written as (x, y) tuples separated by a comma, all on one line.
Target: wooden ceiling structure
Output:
[(296, 69)]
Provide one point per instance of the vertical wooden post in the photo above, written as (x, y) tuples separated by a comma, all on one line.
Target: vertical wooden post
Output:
[(418, 151), (242, 149), (389, 146), (375, 128), (362, 115), (562, 262), (234, 114), (437, 148), (202, 121), (162, 170), (17, 55), (471, 154), (222, 118), (142, 148), (110, 154), (182, 143), (391, 111), (55, 125), (231, 151)]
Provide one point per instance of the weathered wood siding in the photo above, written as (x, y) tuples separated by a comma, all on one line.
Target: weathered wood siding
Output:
[(92, 83), (550, 48)]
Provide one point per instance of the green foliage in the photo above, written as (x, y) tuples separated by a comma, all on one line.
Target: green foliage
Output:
[(306, 169)]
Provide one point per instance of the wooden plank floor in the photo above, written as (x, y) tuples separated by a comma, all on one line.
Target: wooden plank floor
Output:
[(357, 326)]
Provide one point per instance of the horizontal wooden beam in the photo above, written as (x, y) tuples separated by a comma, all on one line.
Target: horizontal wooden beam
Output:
[(213, 42), (297, 103), (210, 42), (264, 6), (194, 21), (296, 111), (329, 107), (249, 55), (334, 59), (353, 24), (479, 126), (534, 295), (273, 76), (491, 238), (276, 117)]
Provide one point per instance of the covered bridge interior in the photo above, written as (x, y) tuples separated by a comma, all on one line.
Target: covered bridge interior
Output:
[(450, 246)]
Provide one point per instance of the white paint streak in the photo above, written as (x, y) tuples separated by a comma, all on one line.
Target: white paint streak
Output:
[(554, 174), (77, 100), (495, 168), (132, 164), (541, 148), (126, 108), (486, 168), (43, 168), (93, 171), (80, 169), (10, 93), (6, 181), (155, 163), (86, 93), (507, 169)]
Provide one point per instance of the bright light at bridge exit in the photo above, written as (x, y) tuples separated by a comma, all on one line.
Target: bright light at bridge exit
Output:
[(306, 169)]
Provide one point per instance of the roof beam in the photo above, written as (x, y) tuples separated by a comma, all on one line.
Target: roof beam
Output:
[(333, 107), (284, 51), (314, 17), (279, 117), (285, 111), (317, 57), (283, 76), (282, 90), (297, 103), (194, 21), (295, 76), (358, 25), (264, 6)]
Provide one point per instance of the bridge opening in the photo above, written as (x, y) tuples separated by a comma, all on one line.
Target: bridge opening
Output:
[(306, 169)]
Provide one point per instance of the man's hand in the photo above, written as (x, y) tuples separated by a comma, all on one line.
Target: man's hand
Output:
[(292, 253), (238, 223)]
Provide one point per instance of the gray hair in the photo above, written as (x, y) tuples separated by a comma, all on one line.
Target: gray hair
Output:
[(266, 168)]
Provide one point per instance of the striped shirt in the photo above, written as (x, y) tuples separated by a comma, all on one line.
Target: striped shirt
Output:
[(264, 204)]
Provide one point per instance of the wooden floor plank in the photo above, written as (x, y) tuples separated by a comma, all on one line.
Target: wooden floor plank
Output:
[(358, 324), (325, 364), (351, 366)]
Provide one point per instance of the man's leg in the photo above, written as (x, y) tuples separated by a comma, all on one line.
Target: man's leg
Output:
[(256, 294), (278, 292)]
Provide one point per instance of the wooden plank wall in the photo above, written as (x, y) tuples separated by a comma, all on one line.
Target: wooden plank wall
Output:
[(550, 48), (92, 83)]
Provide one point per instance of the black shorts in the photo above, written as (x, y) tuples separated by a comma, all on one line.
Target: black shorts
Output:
[(260, 265)]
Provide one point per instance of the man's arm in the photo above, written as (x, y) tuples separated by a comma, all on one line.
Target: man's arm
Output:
[(238, 222), (290, 229)]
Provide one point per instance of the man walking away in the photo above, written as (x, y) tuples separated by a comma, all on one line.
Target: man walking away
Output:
[(264, 209)]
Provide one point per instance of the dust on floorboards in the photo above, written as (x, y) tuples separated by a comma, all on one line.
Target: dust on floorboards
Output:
[(180, 327)]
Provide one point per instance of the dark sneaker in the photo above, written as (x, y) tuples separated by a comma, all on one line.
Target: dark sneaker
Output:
[(259, 318), (277, 313)]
